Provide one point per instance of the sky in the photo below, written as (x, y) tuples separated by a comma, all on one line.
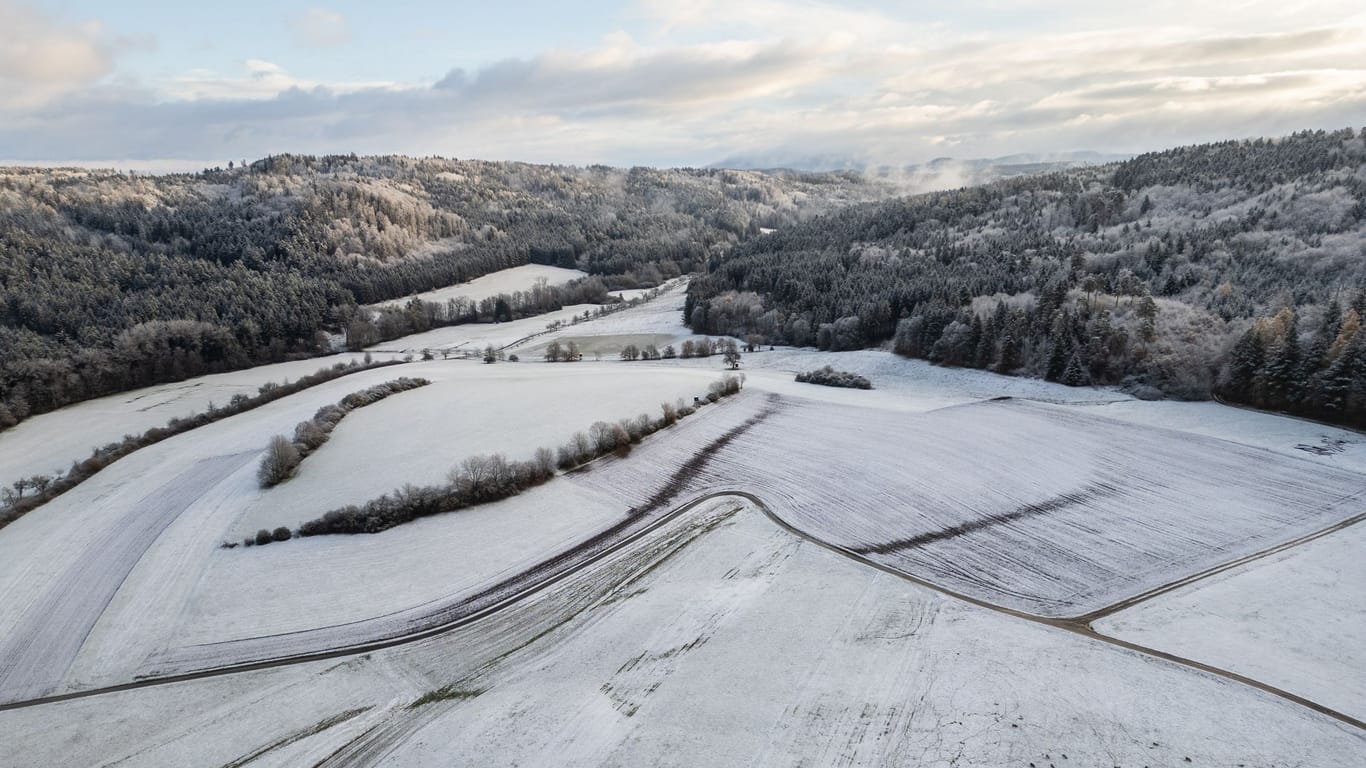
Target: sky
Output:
[(173, 85)]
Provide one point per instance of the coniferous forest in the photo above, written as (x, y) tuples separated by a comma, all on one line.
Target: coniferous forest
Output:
[(111, 281), (1233, 270)]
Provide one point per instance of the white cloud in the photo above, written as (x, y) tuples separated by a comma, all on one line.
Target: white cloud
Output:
[(706, 80), (321, 28), (41, 58)]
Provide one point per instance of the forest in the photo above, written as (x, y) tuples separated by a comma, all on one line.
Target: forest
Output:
[(111, 281), (1233, 270)]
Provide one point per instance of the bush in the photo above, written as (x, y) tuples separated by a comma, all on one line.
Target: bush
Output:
[(279, 463), (263, 537), (281, 534), (829, 377)]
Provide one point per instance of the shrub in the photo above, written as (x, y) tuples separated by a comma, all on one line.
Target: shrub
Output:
[(830, 377), (263, 537), (280, 461), (281, 534)]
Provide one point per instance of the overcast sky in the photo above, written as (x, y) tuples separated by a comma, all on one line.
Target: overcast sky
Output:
[(145, 83)]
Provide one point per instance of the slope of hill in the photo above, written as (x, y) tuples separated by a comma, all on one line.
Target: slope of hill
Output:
[(1234, 268), (110, 281)]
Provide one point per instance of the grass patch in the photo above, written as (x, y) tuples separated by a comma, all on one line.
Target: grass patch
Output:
[(445, 693)]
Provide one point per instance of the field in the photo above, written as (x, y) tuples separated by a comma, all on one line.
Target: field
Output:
[(503, 281), (1293, 620), (954, 568), (49, 442), (474, 337), (703, 645)]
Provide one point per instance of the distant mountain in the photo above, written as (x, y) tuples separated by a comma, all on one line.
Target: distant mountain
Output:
[(937, 174)]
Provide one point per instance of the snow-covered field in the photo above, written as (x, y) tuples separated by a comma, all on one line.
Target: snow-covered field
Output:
[(470, 408), (48, 443), (1295, 620), (720, 640), (473, 337), (503, 281), (1034, 507), (165, 584)]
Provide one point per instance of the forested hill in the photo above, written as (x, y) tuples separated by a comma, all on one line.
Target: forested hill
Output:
[(110, 281), (1233, 268)]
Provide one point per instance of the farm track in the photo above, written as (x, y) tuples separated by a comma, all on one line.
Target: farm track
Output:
[(638, 524), (648, 517), (1081, 626)]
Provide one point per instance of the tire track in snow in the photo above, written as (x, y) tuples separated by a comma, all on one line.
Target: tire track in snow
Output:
[(36, 654), (1070, 625)]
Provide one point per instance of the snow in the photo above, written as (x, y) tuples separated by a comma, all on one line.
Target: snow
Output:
[(174, 589), (473, 337), (718, 640), (1289, 436), (50, 442), (1039, 508), (103, 528), (503, 281), (1293, 620), (469, 408)]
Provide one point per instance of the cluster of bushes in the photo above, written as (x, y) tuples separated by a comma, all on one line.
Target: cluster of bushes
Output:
[(830, 377), (15, 504), (648, 352), (690, 348), (482, 479), (283, 456), (556, 352)]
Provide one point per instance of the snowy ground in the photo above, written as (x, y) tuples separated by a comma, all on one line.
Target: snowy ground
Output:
[(50, 442), (503, 281), (1294, 620), (474, 337), (1034, 507), (417, 437), (721, 640), (165, 584)]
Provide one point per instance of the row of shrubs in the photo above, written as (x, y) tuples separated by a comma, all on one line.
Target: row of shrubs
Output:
[(830, 377), (15, 504), (482, 479), (284, 456)]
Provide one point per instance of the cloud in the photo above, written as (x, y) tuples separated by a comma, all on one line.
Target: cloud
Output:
[(320, 28), (258, 79), (778, 76), (41, 58)]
